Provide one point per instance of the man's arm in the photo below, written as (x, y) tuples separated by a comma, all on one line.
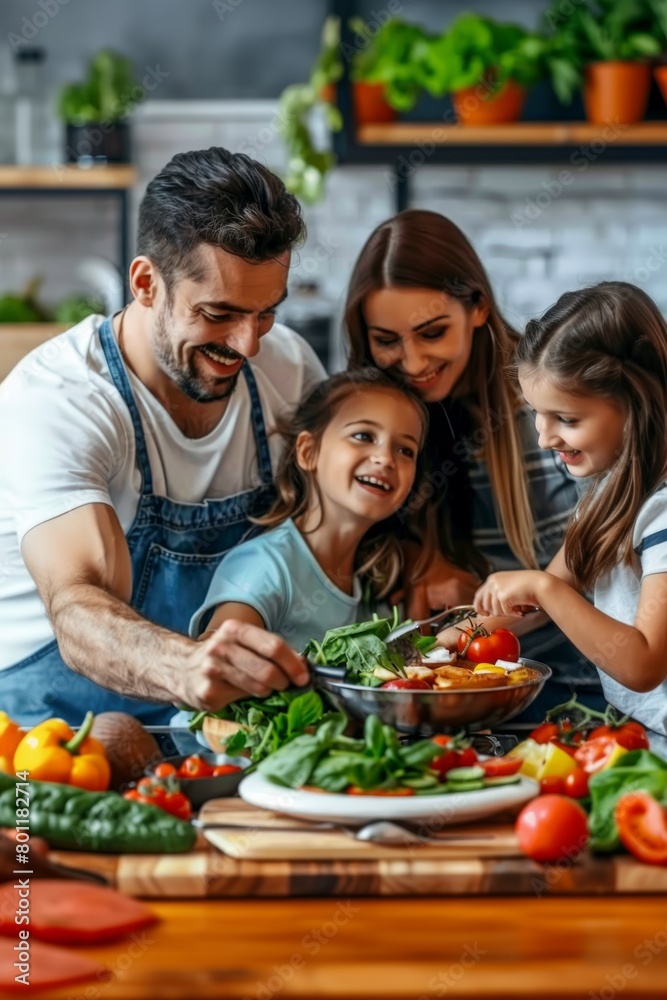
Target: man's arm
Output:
[(81, 565)]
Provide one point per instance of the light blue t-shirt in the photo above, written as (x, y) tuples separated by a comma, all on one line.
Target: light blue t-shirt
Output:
[(278, 576)]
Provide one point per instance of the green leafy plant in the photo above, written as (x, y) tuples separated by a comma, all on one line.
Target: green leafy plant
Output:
[(307, 165), (107, 94), (476, 49), (394, 57), (602, 30)]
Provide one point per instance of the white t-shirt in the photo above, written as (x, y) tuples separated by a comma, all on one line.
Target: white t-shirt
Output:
[(66, 440), (617, 595)]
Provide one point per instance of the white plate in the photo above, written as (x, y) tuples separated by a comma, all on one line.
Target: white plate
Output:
[(454, 807)]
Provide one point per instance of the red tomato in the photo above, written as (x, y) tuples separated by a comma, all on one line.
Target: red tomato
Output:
[(630, 735), (593, 755), (407, 684), (545, 733), (178, 805), (553, 784), (221, 769), (146, 787), (642, 827), (133, 795), (389, 792), (500, 767), (457, 755), (554, 732), (164, 770), (485, 647), (576, 784), (552, 827), (195, 767)]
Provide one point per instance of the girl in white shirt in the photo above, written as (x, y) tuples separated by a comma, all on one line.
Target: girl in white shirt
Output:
[(594, 371)]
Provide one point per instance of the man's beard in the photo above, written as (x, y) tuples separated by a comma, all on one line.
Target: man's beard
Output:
[(191, 384)]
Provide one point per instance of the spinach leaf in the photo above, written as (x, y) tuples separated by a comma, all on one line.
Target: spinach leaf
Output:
[(636, 770), (305, 710), (292, 764), (374, 736)]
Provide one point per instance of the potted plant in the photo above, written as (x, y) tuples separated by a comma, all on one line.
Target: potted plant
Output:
[(95, 110), (386, 69), (486, 66), (605, 46), (384, 73)]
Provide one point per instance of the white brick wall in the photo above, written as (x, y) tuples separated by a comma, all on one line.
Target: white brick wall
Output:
[(610, 221)]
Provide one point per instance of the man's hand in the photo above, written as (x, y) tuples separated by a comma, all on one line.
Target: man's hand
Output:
[(236, 661), (506, 593)]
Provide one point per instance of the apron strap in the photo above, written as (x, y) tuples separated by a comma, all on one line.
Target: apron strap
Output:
[(258, 426), (122, 383)]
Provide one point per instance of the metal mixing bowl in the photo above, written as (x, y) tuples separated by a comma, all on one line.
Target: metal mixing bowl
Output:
[(424, 713)]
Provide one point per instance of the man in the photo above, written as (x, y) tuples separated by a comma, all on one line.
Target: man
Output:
[(134, 453)]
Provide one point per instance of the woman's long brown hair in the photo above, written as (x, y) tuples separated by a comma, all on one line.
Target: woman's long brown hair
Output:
[(609, 340), (379, 558), (422, 249)]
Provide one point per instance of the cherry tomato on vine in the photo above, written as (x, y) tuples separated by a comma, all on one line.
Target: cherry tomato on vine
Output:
[(630, 735), (480, 646)]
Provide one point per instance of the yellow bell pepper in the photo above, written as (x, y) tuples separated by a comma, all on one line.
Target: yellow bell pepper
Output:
[(52, 752), (10, 737)]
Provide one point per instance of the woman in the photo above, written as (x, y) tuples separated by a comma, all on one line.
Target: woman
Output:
[(420, 306)]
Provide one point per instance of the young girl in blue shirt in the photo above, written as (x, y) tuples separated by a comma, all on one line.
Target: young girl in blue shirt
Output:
[(349, 463), (594, 370)]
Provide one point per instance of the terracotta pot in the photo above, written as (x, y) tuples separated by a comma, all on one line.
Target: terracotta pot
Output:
[(660, 74), (616, 91), (473, 107), (370, 106)]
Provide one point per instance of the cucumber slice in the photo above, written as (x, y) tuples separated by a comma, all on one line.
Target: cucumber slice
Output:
[(464, 774), (503, 779), (464, 786)]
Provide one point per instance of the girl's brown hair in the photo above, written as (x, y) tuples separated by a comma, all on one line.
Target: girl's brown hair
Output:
[(609, 340), (379, 557), (423, 249)]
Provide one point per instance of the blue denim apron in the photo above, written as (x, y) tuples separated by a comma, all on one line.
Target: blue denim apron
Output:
[(175, 548)]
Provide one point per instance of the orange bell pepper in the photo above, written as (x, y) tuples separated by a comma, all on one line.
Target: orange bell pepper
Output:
[(52, 752), (10, 737)]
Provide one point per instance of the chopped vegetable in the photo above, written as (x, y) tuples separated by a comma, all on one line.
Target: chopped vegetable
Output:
[(637, 770), (85, 913), (642, 827), (44, 966)]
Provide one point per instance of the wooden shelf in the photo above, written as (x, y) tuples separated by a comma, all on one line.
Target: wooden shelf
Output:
[(518, 134), (68, 176), (18, 339)]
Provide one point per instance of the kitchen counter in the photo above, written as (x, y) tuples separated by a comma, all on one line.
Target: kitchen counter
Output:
[(391, 949)]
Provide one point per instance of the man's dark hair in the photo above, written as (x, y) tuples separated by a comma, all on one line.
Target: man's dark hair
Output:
[(224, 199)]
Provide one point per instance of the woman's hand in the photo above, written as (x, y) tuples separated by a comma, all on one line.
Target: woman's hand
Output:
[(444, 585), (506, 593)]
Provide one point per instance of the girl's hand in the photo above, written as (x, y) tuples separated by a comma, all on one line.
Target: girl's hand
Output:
[(506, 593)]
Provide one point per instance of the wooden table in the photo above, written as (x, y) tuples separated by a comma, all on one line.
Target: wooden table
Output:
[(392, 949)]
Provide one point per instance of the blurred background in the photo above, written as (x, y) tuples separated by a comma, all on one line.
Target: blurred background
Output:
[(501, 117)]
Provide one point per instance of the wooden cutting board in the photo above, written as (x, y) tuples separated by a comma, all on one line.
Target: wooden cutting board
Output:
[(267, 836), (207, 872)]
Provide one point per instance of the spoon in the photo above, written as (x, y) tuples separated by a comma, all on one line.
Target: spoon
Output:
[(381, 832)]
